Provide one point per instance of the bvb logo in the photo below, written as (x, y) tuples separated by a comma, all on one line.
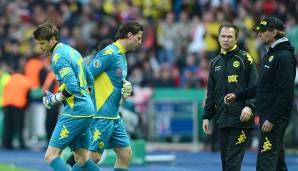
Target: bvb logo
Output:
[(264, 23), (236, 64), (271, 58)]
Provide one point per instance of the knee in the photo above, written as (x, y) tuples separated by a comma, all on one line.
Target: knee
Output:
[(80, 157), (50, 155), (125, 155), (95, 157)]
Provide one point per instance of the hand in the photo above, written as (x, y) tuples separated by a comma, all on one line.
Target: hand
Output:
[(204, 102), (267, 126), (127, 89), (230, 98), (52, 99), (245, 114), (206, 126), (46, 100)]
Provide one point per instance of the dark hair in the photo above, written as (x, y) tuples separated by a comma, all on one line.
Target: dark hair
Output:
[(229, 25), (46, 31), (130, 26), (104, 43)]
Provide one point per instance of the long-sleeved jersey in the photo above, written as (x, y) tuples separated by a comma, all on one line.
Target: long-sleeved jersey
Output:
[(74, 77), (109, 68)]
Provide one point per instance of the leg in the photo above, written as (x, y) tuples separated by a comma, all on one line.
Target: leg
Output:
[(281, 165), (52, 156), (83, 162), (120, 142), (81, 156), (19, 120), (101, 130), (66, 131), (52, 153), (71, 161), (223, 135), (214, 137), (80, 145), (237, 144), (8, 128), (123, 157), (270, 153), (95, 156)]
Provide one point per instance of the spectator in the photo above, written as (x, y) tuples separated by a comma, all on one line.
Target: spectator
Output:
[(15, 100)]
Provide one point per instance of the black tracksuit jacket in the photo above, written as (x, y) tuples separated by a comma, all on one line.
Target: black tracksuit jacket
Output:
[(274, 91), (228, 73)]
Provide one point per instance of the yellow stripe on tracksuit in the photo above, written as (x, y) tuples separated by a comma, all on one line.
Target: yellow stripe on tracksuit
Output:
[(103, 88), (108, 118), (76, 116)]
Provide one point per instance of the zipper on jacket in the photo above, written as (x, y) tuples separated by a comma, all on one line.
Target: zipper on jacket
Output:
[(226, 85)]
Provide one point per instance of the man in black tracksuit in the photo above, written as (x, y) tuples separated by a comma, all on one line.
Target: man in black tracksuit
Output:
[(232, 70), (274, 94)]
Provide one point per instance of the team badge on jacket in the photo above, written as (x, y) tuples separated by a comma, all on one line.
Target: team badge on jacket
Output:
[(236, 64)]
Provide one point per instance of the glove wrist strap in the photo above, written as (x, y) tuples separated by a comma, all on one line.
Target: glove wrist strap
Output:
[(57, 98)]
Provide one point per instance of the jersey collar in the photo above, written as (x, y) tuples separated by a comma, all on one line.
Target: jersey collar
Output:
[(222, 51), (120, 47), (55, 46)]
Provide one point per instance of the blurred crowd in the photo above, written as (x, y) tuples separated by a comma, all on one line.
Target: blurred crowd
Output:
[(180, 38)]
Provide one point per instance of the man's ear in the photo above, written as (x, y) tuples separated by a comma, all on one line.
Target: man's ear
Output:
[(274, 32), (129, 34), (53, 38)]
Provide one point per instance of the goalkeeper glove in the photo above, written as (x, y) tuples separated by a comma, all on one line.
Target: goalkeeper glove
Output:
[(127, 89), (52, 99)]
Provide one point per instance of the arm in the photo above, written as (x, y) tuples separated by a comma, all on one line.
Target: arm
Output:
[(68, 76), (252, 74), (285, 88), (89, 77), (101, 62), (209, 108), (247, 93), (66, 73)]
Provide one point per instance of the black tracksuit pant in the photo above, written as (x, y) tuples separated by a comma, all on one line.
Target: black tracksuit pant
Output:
[(13, 124), (233, 143), (271, 153)]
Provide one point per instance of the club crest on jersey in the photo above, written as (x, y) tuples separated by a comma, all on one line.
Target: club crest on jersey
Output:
[(236, 64), (270, 58), (97, 64)]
